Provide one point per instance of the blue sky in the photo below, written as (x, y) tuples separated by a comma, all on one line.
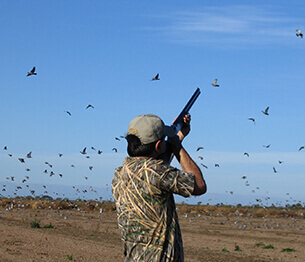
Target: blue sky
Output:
[(105, 53)]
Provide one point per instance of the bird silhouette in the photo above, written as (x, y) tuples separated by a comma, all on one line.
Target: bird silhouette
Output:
[(21, 160), (32, 72), (90, 167), (88, 106), (274, 170), (243, 177), (114, 149), (302, 147), (156, 77), (246, 154), (99, 152), (280, 162), (116, 138), (200, 157), (216, 165), (266, 111), (5, 148), (60, 154), (204, 166), (299, 33), (84, 151), (215, 83), (252, 119), (199, 148), (29, 155), (266, 146), (68, 113)]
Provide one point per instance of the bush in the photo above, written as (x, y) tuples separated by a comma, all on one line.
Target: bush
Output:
[(35, 223)]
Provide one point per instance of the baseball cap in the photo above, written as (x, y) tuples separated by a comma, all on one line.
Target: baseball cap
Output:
[(149, 128)]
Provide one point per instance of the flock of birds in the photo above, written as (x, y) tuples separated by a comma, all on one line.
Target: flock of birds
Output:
[(51, 172)]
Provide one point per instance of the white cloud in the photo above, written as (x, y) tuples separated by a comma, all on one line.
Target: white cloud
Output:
[(228, 25)]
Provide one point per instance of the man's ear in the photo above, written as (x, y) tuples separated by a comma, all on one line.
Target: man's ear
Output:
[(158, 146)]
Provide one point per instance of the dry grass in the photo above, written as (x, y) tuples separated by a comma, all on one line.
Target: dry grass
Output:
[(193, 210)]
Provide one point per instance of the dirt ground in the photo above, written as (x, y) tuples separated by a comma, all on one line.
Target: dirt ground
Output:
[(94, 236)]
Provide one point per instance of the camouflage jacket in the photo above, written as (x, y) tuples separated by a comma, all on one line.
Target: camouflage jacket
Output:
[(143, 193)]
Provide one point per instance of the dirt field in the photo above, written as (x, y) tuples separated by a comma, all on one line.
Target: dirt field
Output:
[(76, 235)]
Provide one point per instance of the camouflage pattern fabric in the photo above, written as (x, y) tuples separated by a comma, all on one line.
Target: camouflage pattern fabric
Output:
[(143, 191)]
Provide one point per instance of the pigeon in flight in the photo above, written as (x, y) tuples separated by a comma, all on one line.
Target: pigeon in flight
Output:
[(204, 166), (84, 151), (32, 72), (198, 148), (68, 113), (114, 149), (266, 146), (280, 162), (252, 119), (5, 148), (215, 83), (88, 106), (156, 77), (29, 155), (21, 160), (299, 33), (302, 147), (246, 154), (243, 177), (60, 154), (90, 167), (266, 111), (99, 152), (216, 165)]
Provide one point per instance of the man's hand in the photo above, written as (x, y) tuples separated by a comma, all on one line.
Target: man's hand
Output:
[(186, 127)]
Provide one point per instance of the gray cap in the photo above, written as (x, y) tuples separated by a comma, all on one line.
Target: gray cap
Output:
[(149, 128)]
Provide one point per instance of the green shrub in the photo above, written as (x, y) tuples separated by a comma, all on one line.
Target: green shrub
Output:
[(70, 257), (288, 250), (48, 226), (268, 247), (35, 223)]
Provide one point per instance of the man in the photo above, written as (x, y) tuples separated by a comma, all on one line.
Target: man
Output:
[(143, 190)]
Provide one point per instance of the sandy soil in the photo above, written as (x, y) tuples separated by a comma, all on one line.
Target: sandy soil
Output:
[(94, 236)]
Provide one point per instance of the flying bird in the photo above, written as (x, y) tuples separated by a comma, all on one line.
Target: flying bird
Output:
[(215, 83), (252, 119), (116, 138), (99, 152), (266, 111), (60, 154), (266, 146), (114, 149), (302, 147), (21, 160), (200, 157), (299, 33), (274, 170), (84, 151), (32, 72), (156, 77), (29, 155), (246, 154), (88, 106), (68, 113), (280, 162), (90, 167), (5, 148), (243, 177), (216, 165), (204, 166), (198, 148)]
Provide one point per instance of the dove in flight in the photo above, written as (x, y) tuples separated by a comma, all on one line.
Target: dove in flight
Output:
[(246, 154), (299, 33), (156, 77), (84, 151), (32, 72), (88, 106), (215, 83), (266, 111)]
